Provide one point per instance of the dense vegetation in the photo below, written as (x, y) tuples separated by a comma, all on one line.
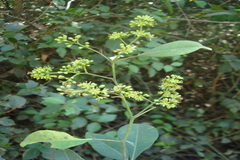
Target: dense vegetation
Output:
[(205, 126)]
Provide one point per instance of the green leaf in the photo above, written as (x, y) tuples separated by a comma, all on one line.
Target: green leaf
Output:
[(6, 122), (141, 137), (31, 84), (201, 4), (168, 68), (112, 44), (15, 27), (16, 101), (67, 154), (225, 140), (111, 149), (102, 118), (7, 48), (78, 122), (169, 6), (59, 140), (151, 72), (19, 72), (3, 58), (54, 100), (61, 52), (93, 127), (174, 49), (235, 65), (31, 153), (200, 128), (177, 64), (133, 68), (104, 8), (226, 67)]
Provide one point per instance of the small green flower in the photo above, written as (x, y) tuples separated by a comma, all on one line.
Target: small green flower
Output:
[(118, 35), (75, 66), (42, 73), (128, 92), (169, 97), (139, 33), (141, 21), (124, 49)]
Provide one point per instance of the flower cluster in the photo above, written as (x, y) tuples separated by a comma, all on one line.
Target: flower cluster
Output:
[(118, 35), (128, 92), (139, 33), (124, 49), (42, 73), (75, 66), (141, 21), (169, 96), (87, 88), (69, 41)]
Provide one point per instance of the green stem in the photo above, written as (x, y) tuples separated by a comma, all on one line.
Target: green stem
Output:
[(131, 117), (130, 123)]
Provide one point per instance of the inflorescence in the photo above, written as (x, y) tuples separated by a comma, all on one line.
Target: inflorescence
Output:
[(169, 97)]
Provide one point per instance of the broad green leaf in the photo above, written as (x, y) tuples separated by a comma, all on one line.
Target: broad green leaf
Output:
[(54, 100), (31, 84), (174, 49), (201, 4), (93, 127), (176, 64), (61, 52), (67, 154), (112, 44), (19, 71), (157, 65), (141, 137), (6, 122), (59, 140), (15, 27), (3, 58), (7, 48), (78, 122), (104, 8), (102, 118), (31, 153), (111, 149), (235, 65), (133, 68), (200, 128), (169, 6), (168, 68), (16, 101), (151, 72), (226, 67), (225, 140)]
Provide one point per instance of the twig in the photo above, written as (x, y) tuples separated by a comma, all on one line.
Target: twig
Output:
[(43, 12), (203, 21), (186, 17)]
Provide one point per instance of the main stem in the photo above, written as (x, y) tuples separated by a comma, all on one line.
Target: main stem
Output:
[(131, 117)]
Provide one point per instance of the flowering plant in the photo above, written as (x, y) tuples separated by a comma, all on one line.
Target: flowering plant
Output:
[(132, 138)]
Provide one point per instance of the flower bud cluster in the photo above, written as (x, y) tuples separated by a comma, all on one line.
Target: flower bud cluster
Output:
[(139, 33), (42, 73), (98, 92), (128, 92), (169, 96), (69, 41), (141, 21), (75, 66), (118, 35), (124, 49)]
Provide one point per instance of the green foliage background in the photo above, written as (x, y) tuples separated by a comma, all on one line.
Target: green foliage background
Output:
[(206, 124)]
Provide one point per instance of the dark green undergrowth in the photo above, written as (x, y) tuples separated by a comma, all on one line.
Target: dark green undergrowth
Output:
[(205, 126)]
